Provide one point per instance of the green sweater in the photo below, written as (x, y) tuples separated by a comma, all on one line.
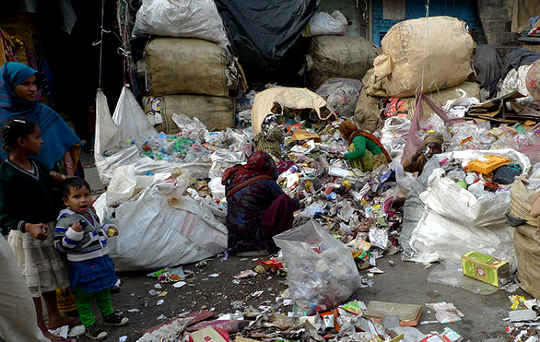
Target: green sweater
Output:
[(25, 197), (362, 143)]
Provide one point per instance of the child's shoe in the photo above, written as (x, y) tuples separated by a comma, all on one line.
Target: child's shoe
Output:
[(115, 319), (95, 333)]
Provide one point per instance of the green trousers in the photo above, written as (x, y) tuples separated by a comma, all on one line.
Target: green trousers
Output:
[(368, 162), (84, 303)]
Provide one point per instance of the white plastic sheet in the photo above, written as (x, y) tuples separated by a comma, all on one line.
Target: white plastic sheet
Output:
[(181, 18)]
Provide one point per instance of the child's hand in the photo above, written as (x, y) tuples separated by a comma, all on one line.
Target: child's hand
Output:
[(37, 231), (112, 231), (77, 227)]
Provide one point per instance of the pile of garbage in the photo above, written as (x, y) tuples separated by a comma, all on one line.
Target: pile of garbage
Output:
[(165, 192)]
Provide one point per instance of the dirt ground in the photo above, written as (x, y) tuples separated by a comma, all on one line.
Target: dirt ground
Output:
[(402, 282)]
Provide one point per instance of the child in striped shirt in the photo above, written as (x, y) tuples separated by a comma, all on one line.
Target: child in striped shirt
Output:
[(80, 236)]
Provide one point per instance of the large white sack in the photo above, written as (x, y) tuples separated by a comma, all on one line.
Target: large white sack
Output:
[(455, 221), (160, 228), (181, 18)]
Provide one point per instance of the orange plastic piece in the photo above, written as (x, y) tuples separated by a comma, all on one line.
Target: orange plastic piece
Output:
[(486, 167)]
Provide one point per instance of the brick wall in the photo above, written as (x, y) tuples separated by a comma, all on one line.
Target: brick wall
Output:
[(496, 18)]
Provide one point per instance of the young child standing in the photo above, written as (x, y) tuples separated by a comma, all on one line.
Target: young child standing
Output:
[(27, 213), (83, 239)]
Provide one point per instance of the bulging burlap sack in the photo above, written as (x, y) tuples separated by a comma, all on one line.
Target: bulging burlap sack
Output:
[(436, 49), (339, 56), (367, 112), (213, 111), (188, 66), (527, 245), (522, 201)]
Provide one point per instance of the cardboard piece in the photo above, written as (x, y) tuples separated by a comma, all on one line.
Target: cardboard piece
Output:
[(409, 314), (302, 134), (485, 268), (208, 334)]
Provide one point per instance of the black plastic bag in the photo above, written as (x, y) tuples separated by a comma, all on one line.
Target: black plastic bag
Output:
[(266, 35)]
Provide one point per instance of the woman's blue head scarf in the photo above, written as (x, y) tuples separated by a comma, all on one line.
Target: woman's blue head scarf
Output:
[(58, 137)]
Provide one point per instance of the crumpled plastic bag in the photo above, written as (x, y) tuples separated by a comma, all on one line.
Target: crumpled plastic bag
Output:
[(322, 24), (321, 271), (341, 94)]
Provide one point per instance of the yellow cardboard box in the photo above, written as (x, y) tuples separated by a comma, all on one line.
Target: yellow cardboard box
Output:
[(486, 268)]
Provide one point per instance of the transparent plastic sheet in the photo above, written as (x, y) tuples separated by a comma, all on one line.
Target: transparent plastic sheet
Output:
[(470, 135), (394, 135), (321, 271), (175, 18), (450, 273)]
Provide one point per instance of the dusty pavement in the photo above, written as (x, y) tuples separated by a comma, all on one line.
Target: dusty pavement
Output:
[(401, 282)]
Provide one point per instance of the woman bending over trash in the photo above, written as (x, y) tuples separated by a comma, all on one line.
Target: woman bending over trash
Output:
[(432, 145), (365, 151), (18, 98), (257, 207)]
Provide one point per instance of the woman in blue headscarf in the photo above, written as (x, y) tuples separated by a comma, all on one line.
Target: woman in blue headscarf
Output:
[(18, 98)]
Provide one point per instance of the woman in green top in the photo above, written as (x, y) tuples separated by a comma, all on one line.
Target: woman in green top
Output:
[(365, 150)]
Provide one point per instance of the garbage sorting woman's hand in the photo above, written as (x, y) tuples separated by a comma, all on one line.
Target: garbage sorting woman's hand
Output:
[(38, 231)]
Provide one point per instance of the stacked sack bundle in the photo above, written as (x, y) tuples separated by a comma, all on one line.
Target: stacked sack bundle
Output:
[(525, 205), (188, 67), (336, 62), (433, 54)]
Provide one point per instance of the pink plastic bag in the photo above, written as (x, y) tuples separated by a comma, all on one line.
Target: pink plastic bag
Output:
[(414, 143)]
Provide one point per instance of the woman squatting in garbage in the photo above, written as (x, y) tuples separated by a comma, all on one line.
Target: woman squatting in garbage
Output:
[(432, 145), (257, 207), (365, 151)]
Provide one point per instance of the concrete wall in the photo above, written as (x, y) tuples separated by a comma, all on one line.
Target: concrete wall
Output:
[(496, 17)]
